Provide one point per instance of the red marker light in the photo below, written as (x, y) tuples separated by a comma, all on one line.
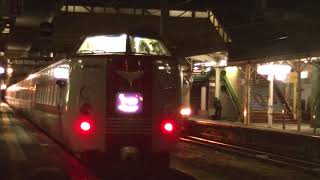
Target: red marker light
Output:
[(85, 126), (167, 127)]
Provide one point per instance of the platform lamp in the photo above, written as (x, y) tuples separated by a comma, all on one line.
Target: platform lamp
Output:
[(279, 72)]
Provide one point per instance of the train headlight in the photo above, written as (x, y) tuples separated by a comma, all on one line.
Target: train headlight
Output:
[(185, 111)]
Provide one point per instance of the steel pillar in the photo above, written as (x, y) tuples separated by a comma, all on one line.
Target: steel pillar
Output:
[(217, 83), (203, 105), (247, 94), (270, 100), (298, 98)]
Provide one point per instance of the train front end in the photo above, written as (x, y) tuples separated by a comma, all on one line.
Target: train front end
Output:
[(142, 98), (142, 105)]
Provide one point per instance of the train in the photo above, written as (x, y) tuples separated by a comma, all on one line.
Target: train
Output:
[(116, 97)]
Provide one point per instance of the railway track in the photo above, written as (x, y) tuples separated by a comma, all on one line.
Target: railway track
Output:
[(307, 166)]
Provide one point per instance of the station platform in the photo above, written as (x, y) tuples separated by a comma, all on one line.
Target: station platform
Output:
[(26, 153), (305, 128), (303, 144)]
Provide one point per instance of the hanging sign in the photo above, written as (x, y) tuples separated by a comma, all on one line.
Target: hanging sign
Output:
[(292, 77)]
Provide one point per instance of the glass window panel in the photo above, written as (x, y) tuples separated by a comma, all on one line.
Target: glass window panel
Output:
[(54, 95), (138, 11), (153, 12), (81, 9), (126, 11), (103, 44), (50, 95), (148, 46), (98, 9), (57, 95), (47, 95), (40, 95), (111, 10), (201, 14)]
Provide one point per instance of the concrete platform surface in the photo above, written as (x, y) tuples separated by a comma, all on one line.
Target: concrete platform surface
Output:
[(306, 129), (26, 153)]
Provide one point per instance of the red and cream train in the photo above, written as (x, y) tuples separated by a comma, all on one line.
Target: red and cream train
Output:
[(118, 95)]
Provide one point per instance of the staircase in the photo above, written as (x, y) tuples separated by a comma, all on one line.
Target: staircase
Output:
[(259, 101), (229, 109)]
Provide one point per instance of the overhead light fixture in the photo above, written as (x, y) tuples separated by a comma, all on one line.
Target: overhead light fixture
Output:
[(304, 75), (1, 53), (280, 71), (223, 63), (3, 86), (9, 70), (6, 30), (283, 37)]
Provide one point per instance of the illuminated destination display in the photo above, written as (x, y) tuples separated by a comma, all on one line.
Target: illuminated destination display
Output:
[(129, 103)]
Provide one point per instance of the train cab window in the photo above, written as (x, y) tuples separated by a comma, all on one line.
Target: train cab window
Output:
[(148, 46), (103, 44), (50, 95)]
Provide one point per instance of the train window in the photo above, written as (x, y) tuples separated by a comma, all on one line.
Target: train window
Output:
[(103, 44), (37, 94), (44, 93), (47, 95), (41, 95), (62, 71), (54, 99), (50, 95), (58, 96), (53, 92), (148, 46)]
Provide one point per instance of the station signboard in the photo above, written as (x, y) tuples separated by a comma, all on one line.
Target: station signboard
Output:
[(292, 77)]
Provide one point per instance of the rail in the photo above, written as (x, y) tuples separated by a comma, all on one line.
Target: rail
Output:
[(310, 167)]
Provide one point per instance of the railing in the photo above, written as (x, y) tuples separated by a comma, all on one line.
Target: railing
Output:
[(282, 98), (232, 93)]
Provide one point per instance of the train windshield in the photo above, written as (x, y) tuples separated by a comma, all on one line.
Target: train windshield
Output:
[(108, 44), (148, 46), (104, 44)]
